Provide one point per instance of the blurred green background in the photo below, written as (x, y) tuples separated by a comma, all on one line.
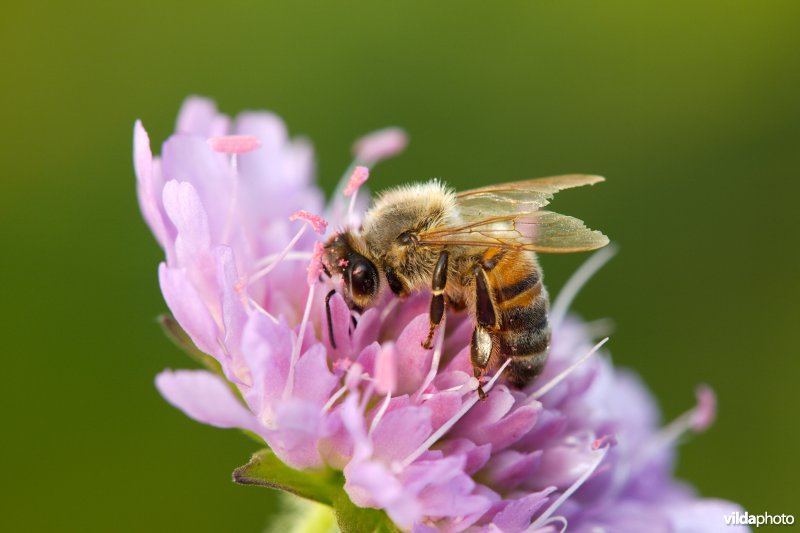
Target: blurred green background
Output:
[(690, 108)]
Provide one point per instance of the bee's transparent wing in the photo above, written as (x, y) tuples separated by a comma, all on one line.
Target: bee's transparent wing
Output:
[(539, 231), (518, 196), (508, 216)]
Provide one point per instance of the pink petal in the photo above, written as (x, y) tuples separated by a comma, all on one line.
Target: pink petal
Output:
[(189, 159), (298, 427), (400, 432), (206, 398), (413, 361), (340, 320), (509, 430), (494, 408), (386, 370), (443, 406), (369, 326), (186, 212), (264, 167), (516, 516), (199, 116), (372, 484), (266, 348), (476, 456), (299, 164), (234, 315), (488, 422), (509, 468), (563, 464), (188, 308), (313, 382), (149, 191)]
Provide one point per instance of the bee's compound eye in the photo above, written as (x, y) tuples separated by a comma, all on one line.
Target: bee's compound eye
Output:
[(363, 277)]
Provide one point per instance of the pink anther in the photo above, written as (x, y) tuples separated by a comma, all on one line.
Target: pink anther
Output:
[(234, 144), (317, 222), (357, 179), (315, 266)]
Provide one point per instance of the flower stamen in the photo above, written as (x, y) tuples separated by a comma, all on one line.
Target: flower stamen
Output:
[(291, 256), (261, 310), (298, 343), (316, 222), (357, 178), (332, 400), (544, 518), (234, 144), (547, 387), (444, 428), (576, 282), (696, 419), (379, 145), (380, 413)]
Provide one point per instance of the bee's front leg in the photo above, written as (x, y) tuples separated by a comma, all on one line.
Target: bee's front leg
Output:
[(437, 300)]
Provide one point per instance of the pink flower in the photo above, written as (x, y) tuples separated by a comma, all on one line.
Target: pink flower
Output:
[(580, 446)]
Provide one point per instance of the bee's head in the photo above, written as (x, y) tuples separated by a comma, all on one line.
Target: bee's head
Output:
[(360, 277)]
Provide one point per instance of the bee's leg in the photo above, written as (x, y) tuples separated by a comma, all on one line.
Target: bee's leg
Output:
[(437, 300), (484, 347), (480, 354)]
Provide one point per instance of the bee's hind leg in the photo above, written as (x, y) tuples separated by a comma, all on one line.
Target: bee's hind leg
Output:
[(483, 349), (437, 300)]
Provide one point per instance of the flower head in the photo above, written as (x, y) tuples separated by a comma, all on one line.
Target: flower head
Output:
[(581, 446)]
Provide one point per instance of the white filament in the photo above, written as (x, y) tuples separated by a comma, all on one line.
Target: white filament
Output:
[(437, 356), (439, 433), (547, 387), (576, 282), (381, 412), (276, 261), (545, 516), (291, 256), (298, 343), (226, 234), (261, 310)]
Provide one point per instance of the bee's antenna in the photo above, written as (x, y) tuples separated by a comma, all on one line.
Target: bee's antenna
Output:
[(328, 316)]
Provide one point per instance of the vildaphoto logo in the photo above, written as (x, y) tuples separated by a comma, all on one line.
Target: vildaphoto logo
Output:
[(763, 519)]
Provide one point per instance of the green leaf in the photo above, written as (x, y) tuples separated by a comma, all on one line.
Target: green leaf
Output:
[(266, 470), (352, 518), (324, 486)]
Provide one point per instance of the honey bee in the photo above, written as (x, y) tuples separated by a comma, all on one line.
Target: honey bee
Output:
[(474, 250)]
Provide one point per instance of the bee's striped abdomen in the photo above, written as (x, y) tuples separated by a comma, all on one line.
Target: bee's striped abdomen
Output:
[(523, 331)]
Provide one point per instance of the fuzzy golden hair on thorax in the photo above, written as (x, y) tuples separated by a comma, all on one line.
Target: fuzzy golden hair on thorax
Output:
[(408, 208)]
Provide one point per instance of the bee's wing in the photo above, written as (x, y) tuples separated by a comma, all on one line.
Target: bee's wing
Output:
[(519, 196), (539, 231), (508, 216)]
